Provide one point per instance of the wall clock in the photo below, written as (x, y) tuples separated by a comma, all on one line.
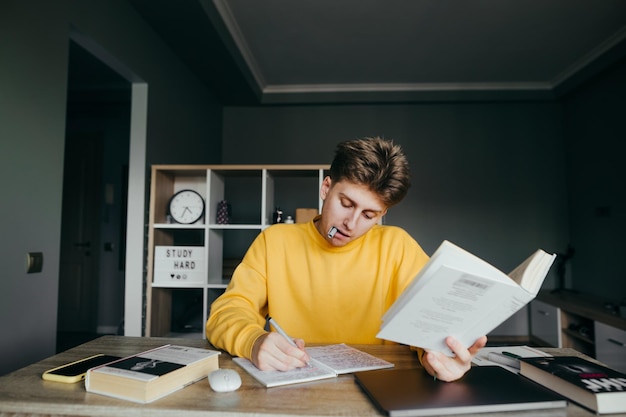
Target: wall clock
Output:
[(186, 207)]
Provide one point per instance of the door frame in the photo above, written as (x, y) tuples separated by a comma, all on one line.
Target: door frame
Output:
[(135, 214), (80, 234)]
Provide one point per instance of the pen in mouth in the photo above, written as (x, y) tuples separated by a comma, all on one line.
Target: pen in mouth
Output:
[(331, 232)]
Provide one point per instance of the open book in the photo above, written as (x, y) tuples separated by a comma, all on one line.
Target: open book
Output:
[(458, 294), (326, 362)]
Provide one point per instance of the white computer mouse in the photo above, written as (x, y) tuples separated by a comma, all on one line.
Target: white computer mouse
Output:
[(224, 380)]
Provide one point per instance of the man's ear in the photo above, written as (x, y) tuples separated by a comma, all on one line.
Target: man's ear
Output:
[(325, 188)]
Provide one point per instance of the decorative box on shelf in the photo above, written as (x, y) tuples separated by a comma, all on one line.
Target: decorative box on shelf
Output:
[(179, 265)]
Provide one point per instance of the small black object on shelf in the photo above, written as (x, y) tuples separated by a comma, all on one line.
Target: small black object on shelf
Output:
[(562, 259)]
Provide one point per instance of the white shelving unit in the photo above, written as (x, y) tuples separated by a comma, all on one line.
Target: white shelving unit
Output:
[(253, 192), (582, 322)]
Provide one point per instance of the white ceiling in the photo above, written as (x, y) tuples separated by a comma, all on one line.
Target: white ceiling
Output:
[(305, 51)]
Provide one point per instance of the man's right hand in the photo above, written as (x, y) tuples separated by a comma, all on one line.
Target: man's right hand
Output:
[(272, 352)]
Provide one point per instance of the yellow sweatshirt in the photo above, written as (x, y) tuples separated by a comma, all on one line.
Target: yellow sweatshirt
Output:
[(317, 292)]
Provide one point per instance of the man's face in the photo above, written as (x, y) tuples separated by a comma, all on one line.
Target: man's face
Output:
[(352, 208)]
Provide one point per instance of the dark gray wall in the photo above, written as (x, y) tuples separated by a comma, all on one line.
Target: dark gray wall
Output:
[(596, 145), (488, 176), (32, 122), (183, 126)]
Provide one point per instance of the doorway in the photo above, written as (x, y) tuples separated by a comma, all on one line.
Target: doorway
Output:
[(93, 235)]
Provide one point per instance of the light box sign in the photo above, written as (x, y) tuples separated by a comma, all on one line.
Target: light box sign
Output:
[(183, 265)]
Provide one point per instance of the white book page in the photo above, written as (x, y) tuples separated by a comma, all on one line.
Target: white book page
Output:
[(448, 254), (327, 362), (314, 371), (453, 303), (501, 311), (344, 359), (531, 273)]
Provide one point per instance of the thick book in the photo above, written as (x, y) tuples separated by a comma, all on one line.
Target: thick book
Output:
[(326, 362), (593, 386), (458, 294), (412, 392), (152, 374)]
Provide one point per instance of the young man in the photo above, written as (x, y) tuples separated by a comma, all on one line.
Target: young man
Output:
[(330, 280)]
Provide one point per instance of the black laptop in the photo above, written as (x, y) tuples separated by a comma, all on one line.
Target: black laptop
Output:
[(412, 392)]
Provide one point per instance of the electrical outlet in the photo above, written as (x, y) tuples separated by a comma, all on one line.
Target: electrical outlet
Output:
[(34, 262)]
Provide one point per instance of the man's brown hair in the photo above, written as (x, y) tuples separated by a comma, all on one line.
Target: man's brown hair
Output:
[(376, 163)]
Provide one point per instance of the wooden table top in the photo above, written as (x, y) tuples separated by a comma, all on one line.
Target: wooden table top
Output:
[(23, 392)]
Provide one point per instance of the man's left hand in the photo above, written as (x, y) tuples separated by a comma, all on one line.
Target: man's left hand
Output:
[(448, 368)]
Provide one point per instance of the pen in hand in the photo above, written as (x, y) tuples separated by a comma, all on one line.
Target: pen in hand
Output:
[(284, 334), (281, 331)]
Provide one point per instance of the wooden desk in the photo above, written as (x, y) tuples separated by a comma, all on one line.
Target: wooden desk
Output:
[(23, 392)]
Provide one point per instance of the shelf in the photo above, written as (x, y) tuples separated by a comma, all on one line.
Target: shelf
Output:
[(584, 324), (178, 226), (219, 285), (237, 226), (575, 335), (177, 285), (252, 193), (583, 305)]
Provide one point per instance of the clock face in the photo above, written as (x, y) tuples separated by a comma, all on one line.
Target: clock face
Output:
[(186, 206)]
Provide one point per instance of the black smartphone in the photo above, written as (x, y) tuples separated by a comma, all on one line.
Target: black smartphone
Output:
[(75, 371)]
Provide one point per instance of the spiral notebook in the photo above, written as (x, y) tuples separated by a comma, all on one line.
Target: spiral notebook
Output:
[(326, 362)]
